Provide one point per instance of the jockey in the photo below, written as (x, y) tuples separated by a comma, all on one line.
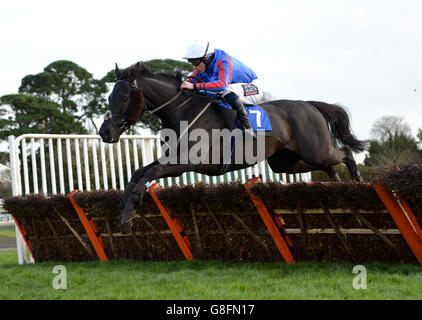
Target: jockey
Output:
[(223, 74)]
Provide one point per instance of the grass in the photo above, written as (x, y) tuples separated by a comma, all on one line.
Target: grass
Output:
[(8, 233), (206, 280)]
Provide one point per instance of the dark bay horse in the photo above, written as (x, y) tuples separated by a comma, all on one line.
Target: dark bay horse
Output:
[(303, 138)]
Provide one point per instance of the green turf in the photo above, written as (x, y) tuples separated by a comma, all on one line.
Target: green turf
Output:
[(8, 233), (206, 280)]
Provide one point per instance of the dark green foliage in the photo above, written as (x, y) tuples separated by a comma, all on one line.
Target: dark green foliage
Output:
[(168, 65), (62, 81), (393, 143), (69, 88), (40, 85), (36, 115), (398, 148)]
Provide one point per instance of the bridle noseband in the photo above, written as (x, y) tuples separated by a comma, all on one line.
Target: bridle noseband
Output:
[(126, 123)]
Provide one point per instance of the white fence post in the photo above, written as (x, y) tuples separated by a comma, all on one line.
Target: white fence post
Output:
[(14, 166)]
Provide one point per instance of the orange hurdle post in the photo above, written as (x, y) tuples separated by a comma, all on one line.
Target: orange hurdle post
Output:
[(404, 219), (269, 223), (24, 234), (173, 223), (90, 228)]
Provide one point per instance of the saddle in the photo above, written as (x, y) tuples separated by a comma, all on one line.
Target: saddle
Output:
[(257, 116)]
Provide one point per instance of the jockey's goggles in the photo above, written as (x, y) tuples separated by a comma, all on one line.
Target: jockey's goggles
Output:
[(195, 62)]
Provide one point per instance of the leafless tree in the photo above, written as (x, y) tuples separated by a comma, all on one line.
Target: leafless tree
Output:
[(387, 127)]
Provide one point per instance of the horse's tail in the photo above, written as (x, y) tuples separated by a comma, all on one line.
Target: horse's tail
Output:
[(338, 120)]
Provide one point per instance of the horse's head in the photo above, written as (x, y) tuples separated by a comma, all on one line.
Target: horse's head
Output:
[(125, 104)]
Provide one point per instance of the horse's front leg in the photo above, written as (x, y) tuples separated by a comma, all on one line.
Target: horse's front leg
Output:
[(134, 198), (137, 175)]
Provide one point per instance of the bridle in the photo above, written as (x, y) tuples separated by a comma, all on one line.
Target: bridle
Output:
[(126, 123)]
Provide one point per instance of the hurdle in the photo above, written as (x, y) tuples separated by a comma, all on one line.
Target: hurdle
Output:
[(403, 217), (174, 224), (90, 228), (282, 242), (24, 235)]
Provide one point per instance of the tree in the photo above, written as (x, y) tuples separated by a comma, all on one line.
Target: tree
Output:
[(63, 82), (169, 65), (385, 128), (29, 114), (69, 85), (97, 102), (393, 143)]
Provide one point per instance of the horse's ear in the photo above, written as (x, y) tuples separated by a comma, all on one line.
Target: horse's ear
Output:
[(179, 74), (117, 72), (136, 70)]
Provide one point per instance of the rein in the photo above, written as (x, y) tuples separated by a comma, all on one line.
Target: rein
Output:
[(170, 101), (176, 96)]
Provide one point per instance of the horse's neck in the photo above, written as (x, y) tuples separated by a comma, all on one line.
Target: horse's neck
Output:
[(181, 110), (159, 92), (171, 116)]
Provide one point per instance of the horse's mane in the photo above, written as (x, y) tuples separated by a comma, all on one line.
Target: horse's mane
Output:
[(145, 71)]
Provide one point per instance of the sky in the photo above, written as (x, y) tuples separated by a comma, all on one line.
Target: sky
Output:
[(365, 55)]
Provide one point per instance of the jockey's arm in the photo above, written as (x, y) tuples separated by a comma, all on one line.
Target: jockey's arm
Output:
[(189, 83), (224, 69)]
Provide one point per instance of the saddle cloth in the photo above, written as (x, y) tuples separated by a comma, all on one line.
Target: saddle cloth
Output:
[(257, 116)]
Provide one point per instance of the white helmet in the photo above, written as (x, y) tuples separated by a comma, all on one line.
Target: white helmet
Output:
[(198, 49)]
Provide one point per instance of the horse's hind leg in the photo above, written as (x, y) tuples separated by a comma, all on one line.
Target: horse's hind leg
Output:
[(327, 160), (342, 155), (301, 166), (350, 162), (332, 173), (287, 161)]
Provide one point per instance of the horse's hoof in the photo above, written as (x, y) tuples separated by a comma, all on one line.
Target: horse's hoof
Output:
[(128, 213), (126, 227)]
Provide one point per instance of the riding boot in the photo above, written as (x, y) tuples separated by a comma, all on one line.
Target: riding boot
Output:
[(237, 105)]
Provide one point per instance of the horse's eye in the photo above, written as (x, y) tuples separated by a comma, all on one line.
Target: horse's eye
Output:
[(124, 98)]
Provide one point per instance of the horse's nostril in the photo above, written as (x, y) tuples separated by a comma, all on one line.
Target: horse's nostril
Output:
[(105, 134)]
